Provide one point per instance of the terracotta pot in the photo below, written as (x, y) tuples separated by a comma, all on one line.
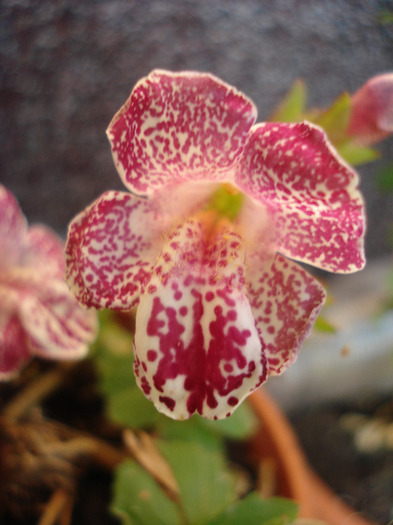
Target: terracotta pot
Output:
[(295, 478)]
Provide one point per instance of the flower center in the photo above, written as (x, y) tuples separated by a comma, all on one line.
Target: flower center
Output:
[(226, 202)]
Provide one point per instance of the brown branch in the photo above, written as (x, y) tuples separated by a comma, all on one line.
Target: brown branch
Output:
[(36, 391), (57, 508)]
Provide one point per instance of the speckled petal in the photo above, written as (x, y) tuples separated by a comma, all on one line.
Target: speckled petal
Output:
[(14, 347), (196, 346), (285, 301), (294, 171), (110, 249), (44, 250), (179, 126), (13, 228), (57, 327), (372, 110)]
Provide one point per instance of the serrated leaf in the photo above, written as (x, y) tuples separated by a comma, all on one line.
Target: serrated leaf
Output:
[(206, 485), (356, 154), (240, 425), (252, 510), (334, 120), (139, 500), (194, 429), (291, 109)]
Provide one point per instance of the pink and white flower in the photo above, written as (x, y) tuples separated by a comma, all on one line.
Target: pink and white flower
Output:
[(372, 110), (38, 315), (204, 243)]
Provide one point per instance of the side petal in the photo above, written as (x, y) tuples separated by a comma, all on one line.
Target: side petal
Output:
[(285, 301), (294, 171), (57, 326), (196, 346), (176, 127), (371, 117), (109, 250), (14, 346), (13, 228)]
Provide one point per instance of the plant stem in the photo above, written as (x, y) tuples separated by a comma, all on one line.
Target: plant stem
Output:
[(58, 507), (36, 391)]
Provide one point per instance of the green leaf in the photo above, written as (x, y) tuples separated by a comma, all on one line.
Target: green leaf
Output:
[(356, 154), (335, 119), (125, 403), (252, 510), (291, 109), (240, 425), (131, 408), (323, 325), (385, 179), (194, 429), (385, 17), (139, 500), (206, 485)]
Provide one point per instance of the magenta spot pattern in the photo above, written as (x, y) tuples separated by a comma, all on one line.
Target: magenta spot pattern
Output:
[(177, 127), (276, 297), (108, 251), (220, 307), (312, 193), (208, 356)]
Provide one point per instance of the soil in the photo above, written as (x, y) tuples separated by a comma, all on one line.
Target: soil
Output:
[(350, 446), (76, 405)]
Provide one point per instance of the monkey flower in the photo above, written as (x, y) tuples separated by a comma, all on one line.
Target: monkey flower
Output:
[(204, 243), (372, 110), (38, 315)]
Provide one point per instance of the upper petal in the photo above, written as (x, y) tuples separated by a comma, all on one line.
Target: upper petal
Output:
[(176, 127), (371, 117), (13, 228), (294, 171), (110, 249), (285, 301), (196, 345), (44, 250)]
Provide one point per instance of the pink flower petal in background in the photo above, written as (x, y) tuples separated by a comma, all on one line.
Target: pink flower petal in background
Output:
[(371, 117), (43, 245), (196, 346), (14, 347), (38, 315), (110, 250), (176, 127), (312, 194), (57, 326), (285, 301), (13, 228)]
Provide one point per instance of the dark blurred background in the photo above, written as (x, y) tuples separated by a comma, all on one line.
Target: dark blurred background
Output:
[(67, 67)]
